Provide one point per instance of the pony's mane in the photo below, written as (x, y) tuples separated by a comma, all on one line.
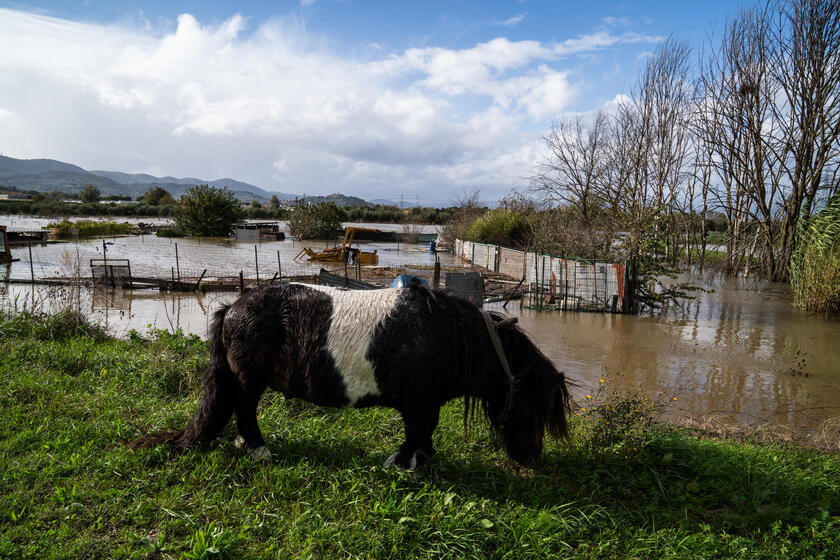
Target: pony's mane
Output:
[(482, 369)]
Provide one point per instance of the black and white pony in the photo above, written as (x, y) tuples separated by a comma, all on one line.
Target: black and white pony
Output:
[(411, 349)]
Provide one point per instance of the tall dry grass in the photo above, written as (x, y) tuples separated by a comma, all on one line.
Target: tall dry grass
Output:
[(815, 266)]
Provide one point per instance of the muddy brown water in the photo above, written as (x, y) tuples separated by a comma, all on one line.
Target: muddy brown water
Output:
[(742, 352)]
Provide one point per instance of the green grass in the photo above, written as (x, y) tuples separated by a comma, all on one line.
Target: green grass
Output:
[(70, 488)]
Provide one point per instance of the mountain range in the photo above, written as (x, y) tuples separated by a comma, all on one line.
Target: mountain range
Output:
[(47, 175)]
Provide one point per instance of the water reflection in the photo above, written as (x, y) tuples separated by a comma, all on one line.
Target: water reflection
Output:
[(742, 352)]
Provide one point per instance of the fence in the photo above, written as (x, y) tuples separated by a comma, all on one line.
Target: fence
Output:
[(554, 282), (110, 271)]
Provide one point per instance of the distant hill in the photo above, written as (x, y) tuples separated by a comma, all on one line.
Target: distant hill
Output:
[(337, 199), (50, 175), (47, 175), (36, 166)]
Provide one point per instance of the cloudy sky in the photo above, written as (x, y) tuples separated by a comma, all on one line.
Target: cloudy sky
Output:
[(374, 99)]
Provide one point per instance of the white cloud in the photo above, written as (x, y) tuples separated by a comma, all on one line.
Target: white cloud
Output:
[(513, 21), (617, 21), (268, 104)]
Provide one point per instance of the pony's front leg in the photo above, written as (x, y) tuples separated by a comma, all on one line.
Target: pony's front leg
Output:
[(249, 436), (417, 449)]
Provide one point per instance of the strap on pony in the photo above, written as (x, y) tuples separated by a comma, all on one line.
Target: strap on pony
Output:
[(497, 344)]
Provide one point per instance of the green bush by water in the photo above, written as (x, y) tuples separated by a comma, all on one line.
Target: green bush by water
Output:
[(87, 228), (499, 227), (70, 488)]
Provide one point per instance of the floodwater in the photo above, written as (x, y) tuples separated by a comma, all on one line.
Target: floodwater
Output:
[(741, 352), (152, 256)]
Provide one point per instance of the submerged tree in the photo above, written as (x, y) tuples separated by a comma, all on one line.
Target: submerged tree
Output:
[(209, 212), (315, 221)]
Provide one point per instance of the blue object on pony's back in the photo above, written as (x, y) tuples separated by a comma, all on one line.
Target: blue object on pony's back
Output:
[(431, 246), (404, 280)]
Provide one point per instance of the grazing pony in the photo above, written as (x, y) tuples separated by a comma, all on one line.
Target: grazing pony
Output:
[(411, 348)]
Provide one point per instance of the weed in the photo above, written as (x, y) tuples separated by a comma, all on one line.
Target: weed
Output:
[(211, 542), (625, 419)]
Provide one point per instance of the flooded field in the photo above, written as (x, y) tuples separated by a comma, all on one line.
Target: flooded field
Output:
[(741, 352), (156, 257)]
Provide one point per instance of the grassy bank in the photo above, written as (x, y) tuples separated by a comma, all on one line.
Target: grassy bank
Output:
[(70, 488)]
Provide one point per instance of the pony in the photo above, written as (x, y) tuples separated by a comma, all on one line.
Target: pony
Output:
[(411, 349)]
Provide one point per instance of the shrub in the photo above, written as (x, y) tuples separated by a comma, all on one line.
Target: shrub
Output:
[(87, 228), (174, 231), (618, 418), (316, 221), (499, 227), (209, 212)]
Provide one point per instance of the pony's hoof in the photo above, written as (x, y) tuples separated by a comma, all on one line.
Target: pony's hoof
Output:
[(412, 463), (239, 442), (261, 453)]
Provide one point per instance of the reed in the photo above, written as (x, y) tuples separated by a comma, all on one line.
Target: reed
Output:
[(815, 266)]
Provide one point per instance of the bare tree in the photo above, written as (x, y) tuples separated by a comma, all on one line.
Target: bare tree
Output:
[(805, 59), (771, 112), (575, 165), (647, 153), (468, 207), (733, 123)]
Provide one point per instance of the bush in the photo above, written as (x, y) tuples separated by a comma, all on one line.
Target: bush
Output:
[(170, 232), (318, 221), (499, 227), (86, 228), (623, 419), (208, 212)]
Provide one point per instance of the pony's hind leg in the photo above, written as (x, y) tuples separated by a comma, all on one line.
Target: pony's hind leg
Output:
[(249, 436), (417, 449)]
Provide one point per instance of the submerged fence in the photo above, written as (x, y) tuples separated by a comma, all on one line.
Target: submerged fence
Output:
[(560, 283)]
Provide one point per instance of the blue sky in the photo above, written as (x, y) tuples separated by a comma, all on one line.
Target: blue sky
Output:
[(374, 99)]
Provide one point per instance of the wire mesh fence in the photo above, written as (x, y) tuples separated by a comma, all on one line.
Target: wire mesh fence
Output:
[(572, 284)]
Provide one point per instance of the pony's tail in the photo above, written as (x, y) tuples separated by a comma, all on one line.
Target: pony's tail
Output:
[(558, 425), (218, 398)]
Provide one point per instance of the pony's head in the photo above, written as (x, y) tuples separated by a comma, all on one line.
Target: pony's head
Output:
[(540, 402)]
